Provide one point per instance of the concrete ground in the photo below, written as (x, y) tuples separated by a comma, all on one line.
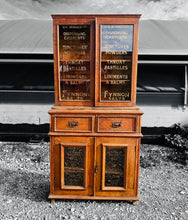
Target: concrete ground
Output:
[(25, 182)]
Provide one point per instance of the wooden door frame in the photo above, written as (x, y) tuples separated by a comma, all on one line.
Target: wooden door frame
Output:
[(85, 146), (121, 21), (103, 148), (72, 21)]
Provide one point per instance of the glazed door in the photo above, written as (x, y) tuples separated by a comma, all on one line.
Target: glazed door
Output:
[(116, 167), (74, 69), (73, 166), (116, 61)]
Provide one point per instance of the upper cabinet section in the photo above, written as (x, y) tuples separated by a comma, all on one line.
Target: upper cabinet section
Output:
[(95, 59)]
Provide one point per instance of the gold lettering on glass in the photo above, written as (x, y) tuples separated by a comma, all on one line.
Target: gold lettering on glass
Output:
[(116, 62), (74, 66)]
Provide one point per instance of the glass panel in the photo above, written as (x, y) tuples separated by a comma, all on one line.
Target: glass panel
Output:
[(75, 90), (116, 62), (74, 63), (74, 166), (114, 167)]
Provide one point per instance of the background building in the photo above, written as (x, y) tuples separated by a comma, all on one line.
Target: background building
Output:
[(26, 73)]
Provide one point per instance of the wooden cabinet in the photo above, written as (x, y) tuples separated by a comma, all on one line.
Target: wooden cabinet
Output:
[(95, 127)]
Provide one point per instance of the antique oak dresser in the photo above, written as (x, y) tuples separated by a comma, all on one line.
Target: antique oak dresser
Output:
[(95, 126)]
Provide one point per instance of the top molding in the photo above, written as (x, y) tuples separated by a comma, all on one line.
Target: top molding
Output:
[(59, 16)]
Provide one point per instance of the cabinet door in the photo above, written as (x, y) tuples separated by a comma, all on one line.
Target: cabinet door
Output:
[(74, 61), (73, 167), (116, 56), (116, 173)]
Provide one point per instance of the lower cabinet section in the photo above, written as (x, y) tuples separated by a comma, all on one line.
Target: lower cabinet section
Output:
[(94, 168)]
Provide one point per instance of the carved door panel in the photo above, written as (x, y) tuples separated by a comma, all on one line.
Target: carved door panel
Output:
[(73, 166), (116, 167)]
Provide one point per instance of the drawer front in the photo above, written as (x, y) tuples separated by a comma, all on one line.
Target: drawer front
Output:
[(73, 124), (117, 124)]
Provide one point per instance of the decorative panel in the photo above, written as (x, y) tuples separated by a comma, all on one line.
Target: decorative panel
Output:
[(114, 167), (73, 165)]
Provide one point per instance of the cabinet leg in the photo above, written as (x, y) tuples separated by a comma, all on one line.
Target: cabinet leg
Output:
[(134, 202), (52, 200)]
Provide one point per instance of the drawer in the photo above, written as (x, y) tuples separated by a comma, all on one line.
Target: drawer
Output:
[(73, 124), (116, 124)]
